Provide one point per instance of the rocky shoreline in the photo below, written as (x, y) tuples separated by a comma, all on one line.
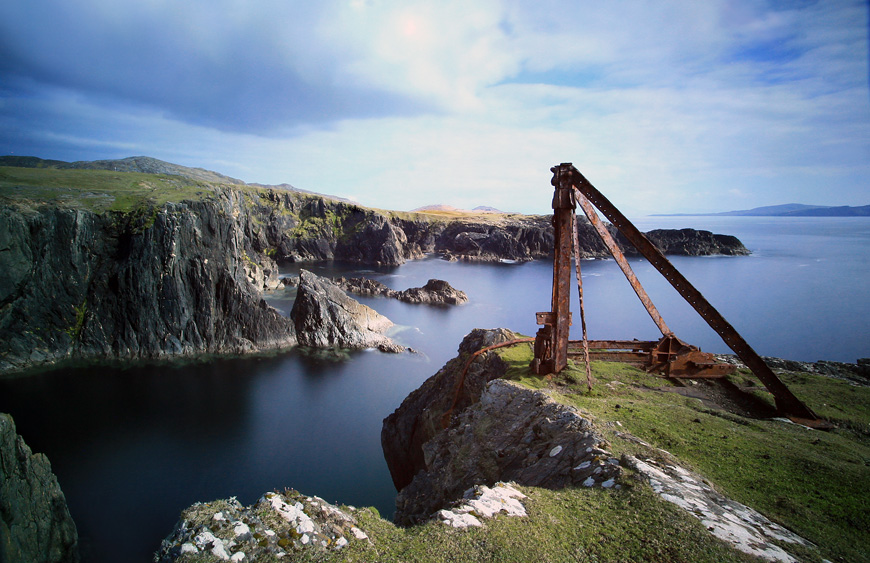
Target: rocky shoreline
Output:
[(185, 279)]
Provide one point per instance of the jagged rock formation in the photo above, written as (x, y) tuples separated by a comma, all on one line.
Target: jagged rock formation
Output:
[(435, 292), (325, 317), (185, 278), (35, 525), (277, 525), (512, 433), (177, 281), (419, 418), (499, 431)]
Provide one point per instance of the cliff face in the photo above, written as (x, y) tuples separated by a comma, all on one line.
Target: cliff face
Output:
[(35, 524), (173, 279), (177, 280)]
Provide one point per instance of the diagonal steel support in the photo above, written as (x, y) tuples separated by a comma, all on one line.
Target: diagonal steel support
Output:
[(786, 401)]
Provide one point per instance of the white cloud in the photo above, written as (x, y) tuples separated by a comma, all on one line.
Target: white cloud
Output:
[(664, 106)]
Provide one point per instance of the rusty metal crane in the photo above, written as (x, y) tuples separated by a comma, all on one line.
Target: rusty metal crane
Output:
[(670, 355)]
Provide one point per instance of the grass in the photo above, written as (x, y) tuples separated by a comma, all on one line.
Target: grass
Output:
[(98, 190), (816, 483)]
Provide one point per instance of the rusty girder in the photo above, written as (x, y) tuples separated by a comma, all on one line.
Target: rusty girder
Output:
[(669, 355)]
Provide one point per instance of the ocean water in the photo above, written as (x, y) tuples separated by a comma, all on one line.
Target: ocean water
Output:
[(133, 447)]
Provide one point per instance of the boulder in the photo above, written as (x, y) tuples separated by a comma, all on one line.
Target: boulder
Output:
[(35, 524), (435, 292), (279, 524), (325, 317)]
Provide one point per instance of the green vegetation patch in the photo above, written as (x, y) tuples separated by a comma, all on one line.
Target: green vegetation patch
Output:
[(816, 483), (98, 190), (582, 524)]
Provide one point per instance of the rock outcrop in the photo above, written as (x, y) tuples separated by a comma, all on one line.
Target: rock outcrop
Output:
[(511, 434), (419, 418), (35, 524), (179, 280), (435, 292), (82, 281), (279, 524), (498, 431), (691, 242), (325, 317)]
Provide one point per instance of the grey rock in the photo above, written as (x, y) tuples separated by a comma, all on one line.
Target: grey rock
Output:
[(512, 434), (422, 414), (435, 292), (325, 317), (178, 280), (279, 524), (35, 524)]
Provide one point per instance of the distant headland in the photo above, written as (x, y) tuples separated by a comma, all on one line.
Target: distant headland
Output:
[(785, 210)]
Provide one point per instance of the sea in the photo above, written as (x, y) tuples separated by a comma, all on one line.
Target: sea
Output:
[(133, 446)]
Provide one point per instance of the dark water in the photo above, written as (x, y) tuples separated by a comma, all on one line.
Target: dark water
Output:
[(133, 447)]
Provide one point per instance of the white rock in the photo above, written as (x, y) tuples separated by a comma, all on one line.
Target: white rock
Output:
[(238, 556), (358, 534), (607, 484), (555, 451), (588, 482), (341, 542), (240, 529), (219, 516), (188, 548)]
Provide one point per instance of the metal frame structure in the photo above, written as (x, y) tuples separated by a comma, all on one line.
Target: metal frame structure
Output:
[(670, 355)]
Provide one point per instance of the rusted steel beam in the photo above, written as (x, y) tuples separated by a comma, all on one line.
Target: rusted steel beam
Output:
[(576, 244), (786, 401), (621, 261), (551, 341)]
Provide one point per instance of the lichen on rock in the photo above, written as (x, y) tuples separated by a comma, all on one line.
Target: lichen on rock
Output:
[(277, 525)]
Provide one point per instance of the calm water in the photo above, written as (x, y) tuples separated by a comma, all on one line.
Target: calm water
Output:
[(133, 447)]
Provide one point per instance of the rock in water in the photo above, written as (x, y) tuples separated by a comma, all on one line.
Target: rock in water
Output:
[(35, 524), (325, 317), (436, 292)]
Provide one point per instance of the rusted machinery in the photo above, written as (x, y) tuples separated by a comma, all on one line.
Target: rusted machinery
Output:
[(670, 355)]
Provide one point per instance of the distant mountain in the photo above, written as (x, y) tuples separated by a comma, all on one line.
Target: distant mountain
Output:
[(143, 164), (785, 210), (441, 208), (487, 209)]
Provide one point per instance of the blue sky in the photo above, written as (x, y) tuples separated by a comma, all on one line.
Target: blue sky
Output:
[(666, 106)]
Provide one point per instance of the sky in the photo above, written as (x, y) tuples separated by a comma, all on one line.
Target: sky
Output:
[(665, 106)]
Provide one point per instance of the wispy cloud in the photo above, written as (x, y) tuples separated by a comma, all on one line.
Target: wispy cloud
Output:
[(665, 105)]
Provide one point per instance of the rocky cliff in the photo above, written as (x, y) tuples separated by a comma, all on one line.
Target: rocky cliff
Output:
[(453, 433), (112, 264), (35, 525), (175, 280)]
